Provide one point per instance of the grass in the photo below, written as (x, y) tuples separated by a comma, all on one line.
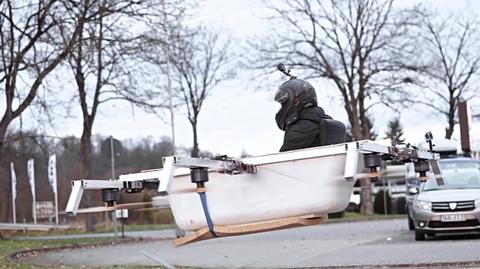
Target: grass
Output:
[(353, 216), (136, 227), (162, 217), (7, 247), (100, 229)]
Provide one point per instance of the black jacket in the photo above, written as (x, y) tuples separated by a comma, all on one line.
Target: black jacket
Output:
[(303, 131)]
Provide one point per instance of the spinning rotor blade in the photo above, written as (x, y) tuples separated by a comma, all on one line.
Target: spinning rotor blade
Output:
[(436, 171), (99, 209), (153, 208)]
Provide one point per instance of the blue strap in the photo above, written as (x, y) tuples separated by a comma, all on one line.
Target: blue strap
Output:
[(203, 198)]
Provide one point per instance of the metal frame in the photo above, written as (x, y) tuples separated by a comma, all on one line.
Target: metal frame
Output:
[(139, 181), (78, 186), (352, 162)]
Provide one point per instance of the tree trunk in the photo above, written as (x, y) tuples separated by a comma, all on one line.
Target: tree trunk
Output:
[(366, 205), (362, 131), (451, 126), (3, 131), (354, 120), (195, 149), (449, 131), (86, 151), (86, 163), (365, 126), (356, 129)]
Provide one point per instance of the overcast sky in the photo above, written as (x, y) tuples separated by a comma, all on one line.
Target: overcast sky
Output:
[(236, 118)]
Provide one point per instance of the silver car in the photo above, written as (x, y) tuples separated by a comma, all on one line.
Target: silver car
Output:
[(452, 207)]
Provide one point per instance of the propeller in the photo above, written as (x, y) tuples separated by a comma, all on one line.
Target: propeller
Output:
[(99, 209)]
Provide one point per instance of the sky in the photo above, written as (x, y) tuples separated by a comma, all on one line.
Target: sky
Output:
[(237, 117)]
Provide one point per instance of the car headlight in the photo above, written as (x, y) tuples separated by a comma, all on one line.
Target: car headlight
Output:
[(424, 205), (477, 203)]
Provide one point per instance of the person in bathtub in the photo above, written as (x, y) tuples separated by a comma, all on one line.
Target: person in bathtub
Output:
[(304, 122)]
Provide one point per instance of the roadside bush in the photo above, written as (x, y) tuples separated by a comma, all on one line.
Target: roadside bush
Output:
[(379, 205), (401, 205), (146, 215), (163, 216)]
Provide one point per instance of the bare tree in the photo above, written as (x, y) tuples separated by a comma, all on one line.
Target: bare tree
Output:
[(451, 59), (359, 45), (201, 62), (25, 57), (105, 62)]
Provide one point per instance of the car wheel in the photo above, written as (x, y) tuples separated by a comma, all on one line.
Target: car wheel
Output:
[(419, 235), (411, 225)]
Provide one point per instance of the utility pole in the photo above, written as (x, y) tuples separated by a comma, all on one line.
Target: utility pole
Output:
[(112, 158), (178, 232), (169, 80), (465, 121)]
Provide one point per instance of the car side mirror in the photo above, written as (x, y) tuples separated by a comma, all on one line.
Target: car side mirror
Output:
[(412, 190)]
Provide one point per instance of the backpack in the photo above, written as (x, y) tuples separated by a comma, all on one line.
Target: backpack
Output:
[(331, 132)]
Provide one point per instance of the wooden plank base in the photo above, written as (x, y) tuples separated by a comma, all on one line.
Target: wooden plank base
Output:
[(249, 228)]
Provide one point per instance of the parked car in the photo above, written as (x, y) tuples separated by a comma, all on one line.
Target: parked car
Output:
[(446, 148), (354, 204), (452, 207), (413, 187)]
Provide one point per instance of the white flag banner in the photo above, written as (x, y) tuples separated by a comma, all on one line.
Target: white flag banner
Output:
[(31, 176), (14, 182), (31, 180), (52, 172)]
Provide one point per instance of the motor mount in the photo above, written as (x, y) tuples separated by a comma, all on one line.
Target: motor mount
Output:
[(109, 196), (422, 167), (199, 175), (372, 161)]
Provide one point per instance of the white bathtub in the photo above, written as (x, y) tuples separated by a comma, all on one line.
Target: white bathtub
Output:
[(287, 184)]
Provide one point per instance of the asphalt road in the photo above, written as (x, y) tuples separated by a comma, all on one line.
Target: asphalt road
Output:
[(372, 243)]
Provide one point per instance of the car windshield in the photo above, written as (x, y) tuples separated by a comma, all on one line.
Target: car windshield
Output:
[(455, 179)]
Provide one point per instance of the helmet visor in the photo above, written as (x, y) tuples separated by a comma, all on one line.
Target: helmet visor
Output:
[(281, 96)]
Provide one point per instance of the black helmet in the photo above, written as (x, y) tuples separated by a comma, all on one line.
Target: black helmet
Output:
[(294, 95), (296, 91)]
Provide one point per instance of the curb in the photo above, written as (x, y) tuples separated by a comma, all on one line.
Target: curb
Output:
[(465, 264), (373, 218), (15, 256)]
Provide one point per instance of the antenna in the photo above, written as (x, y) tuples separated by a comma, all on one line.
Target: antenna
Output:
[(281, 68), (429, 140)]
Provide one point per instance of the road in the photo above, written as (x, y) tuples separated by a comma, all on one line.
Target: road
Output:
[(370, 243)]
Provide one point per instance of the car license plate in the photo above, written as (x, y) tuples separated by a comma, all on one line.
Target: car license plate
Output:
[(453, 218)]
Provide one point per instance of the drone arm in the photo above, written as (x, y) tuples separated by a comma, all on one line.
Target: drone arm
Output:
[(423, 161), (228, 166), (167, 176), (395, 151), (75, 198), (78, 186)]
